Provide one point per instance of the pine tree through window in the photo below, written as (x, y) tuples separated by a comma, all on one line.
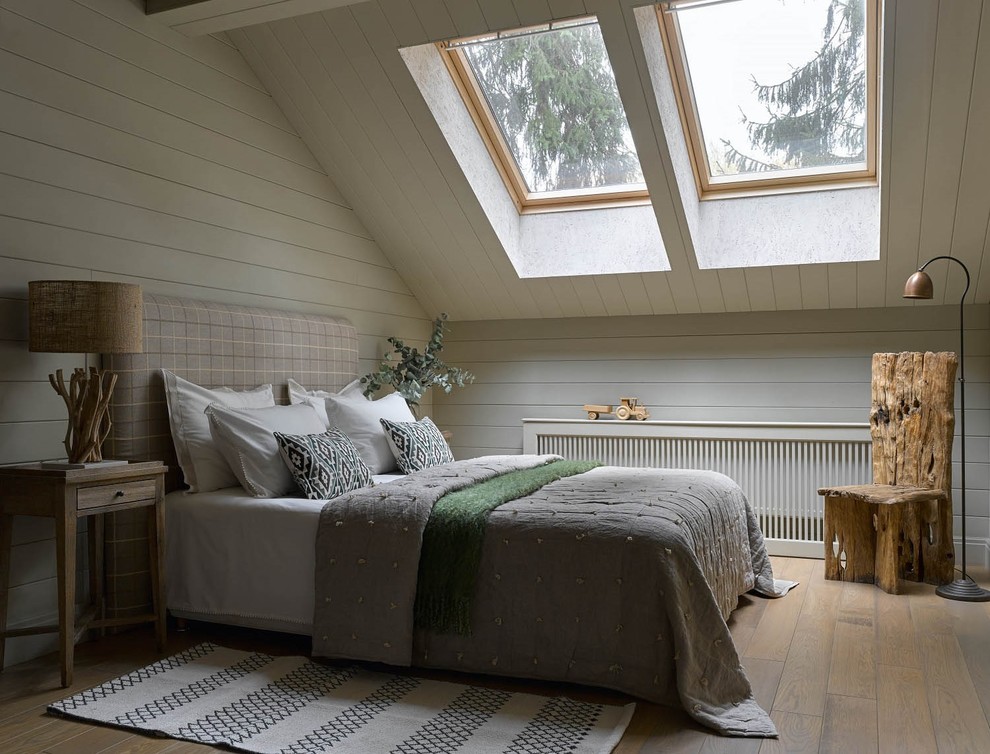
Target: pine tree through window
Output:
[(775, 94), (546, 104)]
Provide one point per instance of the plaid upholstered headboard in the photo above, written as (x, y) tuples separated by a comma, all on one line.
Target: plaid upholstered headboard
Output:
[(210, 344), (215, 344)]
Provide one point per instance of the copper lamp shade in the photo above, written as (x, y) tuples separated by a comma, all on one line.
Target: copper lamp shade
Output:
[(85, 316), (919, 285)]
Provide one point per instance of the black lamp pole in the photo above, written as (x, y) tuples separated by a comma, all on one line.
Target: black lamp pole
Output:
[(919, 285)]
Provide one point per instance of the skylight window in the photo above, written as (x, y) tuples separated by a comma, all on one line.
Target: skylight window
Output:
[(547, 106), (775, 94)]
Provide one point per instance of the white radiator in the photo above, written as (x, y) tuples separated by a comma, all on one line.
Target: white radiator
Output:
[(779, 466)]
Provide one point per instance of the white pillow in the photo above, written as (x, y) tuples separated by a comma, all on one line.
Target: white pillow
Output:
[(359, 419), (246, 438), (319, 405), (317, 398), (202, 465), (298, 394)]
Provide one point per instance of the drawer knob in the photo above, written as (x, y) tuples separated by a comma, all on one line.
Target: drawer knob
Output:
[(118, 493)]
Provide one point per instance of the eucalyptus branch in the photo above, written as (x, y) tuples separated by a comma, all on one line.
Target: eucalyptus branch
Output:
[(411, 372)]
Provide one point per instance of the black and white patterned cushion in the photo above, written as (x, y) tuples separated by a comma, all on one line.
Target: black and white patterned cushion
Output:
[(324, 466), (417, 445)]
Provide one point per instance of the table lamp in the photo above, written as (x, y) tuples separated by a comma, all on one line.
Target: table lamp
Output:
[(83, 316)]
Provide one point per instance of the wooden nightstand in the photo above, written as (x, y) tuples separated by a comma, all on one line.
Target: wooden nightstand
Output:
[(66, 496)]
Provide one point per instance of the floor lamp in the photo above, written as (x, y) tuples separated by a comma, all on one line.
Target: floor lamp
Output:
[(919, 285)]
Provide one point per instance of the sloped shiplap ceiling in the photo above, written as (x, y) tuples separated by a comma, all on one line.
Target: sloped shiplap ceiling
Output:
[(340, 80)]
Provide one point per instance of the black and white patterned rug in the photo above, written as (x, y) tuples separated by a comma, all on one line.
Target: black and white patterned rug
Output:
[(289, 705)]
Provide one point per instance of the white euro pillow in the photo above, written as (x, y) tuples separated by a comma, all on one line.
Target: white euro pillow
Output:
[(297, 393), (317, 398), (319, 405), (246, 438), (360, 419), (203, 467)]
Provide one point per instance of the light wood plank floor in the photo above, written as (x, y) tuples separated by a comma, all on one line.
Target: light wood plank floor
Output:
[(842, 667)]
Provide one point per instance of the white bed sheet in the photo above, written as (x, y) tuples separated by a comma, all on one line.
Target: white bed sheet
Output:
[(233, 558)]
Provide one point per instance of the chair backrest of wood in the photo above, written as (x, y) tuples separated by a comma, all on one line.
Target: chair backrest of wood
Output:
[(912, 418)]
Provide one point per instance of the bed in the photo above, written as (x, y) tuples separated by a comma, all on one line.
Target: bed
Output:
[(614, 577)]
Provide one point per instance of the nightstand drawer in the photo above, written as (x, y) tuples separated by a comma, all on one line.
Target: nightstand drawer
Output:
[(115, 494)]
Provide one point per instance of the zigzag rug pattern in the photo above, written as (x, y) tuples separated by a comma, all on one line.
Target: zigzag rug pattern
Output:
[(290, 705)]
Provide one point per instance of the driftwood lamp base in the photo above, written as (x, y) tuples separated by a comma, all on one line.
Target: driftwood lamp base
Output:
[(87, 398)]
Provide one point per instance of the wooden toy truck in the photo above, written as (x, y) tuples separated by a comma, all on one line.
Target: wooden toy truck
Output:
[(628, 408)]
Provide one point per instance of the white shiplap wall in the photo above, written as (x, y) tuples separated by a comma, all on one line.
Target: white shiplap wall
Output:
[(794, 367), (129, 152)]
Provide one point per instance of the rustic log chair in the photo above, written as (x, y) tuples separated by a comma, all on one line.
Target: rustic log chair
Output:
[(901, 525)]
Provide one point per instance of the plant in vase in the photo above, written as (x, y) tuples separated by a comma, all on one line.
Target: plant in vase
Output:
[(412, 372)]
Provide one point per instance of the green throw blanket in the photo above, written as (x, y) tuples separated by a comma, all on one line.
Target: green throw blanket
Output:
[(453, 539)]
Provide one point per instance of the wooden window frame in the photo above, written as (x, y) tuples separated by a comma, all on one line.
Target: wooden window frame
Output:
[(526, 201), (808, 179)]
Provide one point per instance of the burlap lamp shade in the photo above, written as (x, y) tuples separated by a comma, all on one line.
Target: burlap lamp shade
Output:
[(85, 316), (82, 316)]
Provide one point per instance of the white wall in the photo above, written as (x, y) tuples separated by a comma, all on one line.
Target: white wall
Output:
[(129, 152), (799, 366)]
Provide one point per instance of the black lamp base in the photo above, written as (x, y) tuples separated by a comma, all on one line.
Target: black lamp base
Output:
[(965, 590)]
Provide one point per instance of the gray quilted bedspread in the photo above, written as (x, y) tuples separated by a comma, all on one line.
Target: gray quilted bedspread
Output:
[(617, 577)]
